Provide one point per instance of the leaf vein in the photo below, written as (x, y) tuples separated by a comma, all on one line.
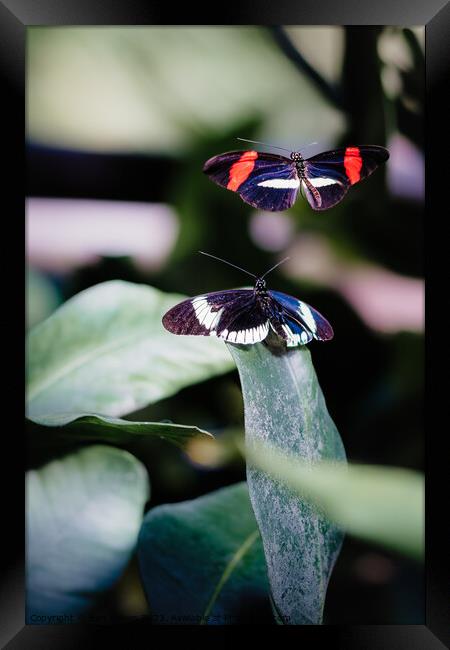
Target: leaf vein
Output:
[(234, 561)]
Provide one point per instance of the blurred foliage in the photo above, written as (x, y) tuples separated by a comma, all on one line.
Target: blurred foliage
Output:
[(83, 515), (176, 96), (42, 297), (161, 88), (384, 505)]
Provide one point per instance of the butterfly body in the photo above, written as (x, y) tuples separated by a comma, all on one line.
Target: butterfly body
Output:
[(246, 316), (272, 182)]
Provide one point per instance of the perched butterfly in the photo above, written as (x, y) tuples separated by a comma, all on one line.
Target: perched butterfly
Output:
[(271, 182), (247, 315)]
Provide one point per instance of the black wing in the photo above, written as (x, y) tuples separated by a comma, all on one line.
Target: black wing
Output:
[(330, 174), (263, 180), (233, 315), (303, 321)]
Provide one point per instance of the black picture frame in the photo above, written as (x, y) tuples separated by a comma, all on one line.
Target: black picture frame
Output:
[(15, 17)]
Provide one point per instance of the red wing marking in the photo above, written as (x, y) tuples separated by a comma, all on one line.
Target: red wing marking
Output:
[(241, 170), (353, 164)]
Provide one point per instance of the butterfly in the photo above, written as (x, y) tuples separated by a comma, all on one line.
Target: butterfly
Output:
[(272, 182), (248, 315)]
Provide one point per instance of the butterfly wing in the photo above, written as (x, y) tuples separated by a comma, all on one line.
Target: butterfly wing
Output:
[(303, 321), (290, 330), (332, 173), (232, 315), (263, 180)]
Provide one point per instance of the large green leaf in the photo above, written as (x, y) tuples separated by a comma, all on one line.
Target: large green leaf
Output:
[(202, 561), (284, 405), (379, 504), (91, 427), (106, 351), (83, 514)]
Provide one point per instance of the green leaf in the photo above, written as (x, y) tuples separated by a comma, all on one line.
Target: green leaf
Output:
[(284, 404), (106, 351), (91, 427), (384, 505), (83, 514), (202, 561)]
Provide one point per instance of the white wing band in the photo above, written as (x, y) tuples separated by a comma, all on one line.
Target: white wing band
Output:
[(281, 183), (323, 182)]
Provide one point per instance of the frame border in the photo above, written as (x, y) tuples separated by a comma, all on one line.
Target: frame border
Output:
[(15, 17)]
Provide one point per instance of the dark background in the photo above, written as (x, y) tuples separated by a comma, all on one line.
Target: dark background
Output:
[(130, 115)]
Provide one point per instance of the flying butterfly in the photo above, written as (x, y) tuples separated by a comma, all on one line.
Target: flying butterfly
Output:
[(272, 182), (247, 315)]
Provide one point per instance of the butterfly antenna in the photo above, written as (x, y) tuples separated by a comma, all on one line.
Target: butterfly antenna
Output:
[(265, 144), (226, 262), (274, 267), (305, 146)]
